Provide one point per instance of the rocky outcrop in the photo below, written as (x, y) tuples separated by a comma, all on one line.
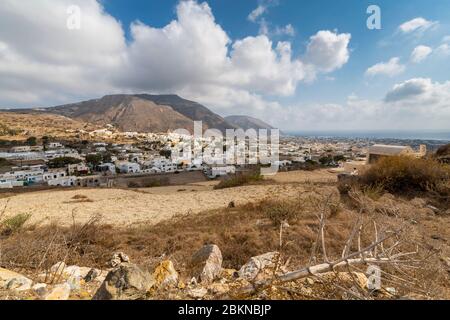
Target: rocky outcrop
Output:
[(207, 264), (118, 258), (60, 292), (257, 265), (126, 282), (11, 280), (165, 275)]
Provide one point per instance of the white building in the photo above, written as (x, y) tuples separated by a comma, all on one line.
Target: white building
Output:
[(164, 165), (108, 168), (22, 175), (54, 175), (215, 172), (62, 153), (63, 182), (54, 145), (5, 183), (128, 167)]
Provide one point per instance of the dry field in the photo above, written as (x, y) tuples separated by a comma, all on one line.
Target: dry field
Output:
[(125, 206), (152, 225)]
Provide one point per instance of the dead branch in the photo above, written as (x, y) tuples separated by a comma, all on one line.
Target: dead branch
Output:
[(316, 270)]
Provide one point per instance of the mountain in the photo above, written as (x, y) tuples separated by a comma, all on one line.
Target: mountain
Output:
[(246, 123), (143, 113)]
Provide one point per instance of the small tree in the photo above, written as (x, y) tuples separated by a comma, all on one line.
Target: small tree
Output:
[(166, 153), (94, 159), (31, 141), (62, 162)]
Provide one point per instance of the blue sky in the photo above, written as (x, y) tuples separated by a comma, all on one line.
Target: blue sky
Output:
[(297, 64), (308, 17)]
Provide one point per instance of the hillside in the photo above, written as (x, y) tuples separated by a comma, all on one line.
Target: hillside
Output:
[(246, 122), (18, 125), (271, 234), (143, 113)]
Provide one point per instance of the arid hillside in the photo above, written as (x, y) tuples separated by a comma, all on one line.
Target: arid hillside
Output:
[(17, 126), (295, 236)]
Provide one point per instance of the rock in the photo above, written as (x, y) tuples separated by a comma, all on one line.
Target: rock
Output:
[(73, 276), (40, 289), (92, 275), (59, 292), (197, 293), (14, 281), (58, 268), (391, 291), (19, 284), (232, 205), (219, 288), (256, 265), (286, 225), (193, 281), (165, 274), (229, 274), (126, 282), (207, 263), (119, 258)]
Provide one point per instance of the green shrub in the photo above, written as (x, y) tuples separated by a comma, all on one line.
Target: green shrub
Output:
[(14, 223), (62, 162)]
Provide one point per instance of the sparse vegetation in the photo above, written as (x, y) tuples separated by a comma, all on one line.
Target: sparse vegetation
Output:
[(5, 163), (31, 141), (149, 183), (62, 162), (281, 211), (240, 180), (13, 224), (403, 174), (7, 131)]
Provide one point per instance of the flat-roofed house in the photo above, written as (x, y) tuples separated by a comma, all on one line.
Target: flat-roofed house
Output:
[(379, 151)]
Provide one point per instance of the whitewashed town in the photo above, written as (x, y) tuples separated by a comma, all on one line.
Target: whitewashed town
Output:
[(98, 160)]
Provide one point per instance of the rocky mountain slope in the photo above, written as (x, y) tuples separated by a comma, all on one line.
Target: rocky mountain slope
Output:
[(246, 122), (143, 113)]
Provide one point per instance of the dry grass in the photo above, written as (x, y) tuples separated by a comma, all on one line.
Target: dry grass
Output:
[(13, 224), (282, 211), (240, 180), (403, 174), (240, 232)]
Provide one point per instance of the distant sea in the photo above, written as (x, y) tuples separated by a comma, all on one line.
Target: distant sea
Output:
[(400, 135)]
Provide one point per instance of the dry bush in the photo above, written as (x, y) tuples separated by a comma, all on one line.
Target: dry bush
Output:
[(402, 175), (281, 211), (240, 180), (241, 233), (79, 197), (153, 183)]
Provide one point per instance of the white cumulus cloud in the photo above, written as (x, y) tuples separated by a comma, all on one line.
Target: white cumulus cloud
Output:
[(417, 24), (420, 53), (328, 50), (391, 68), (44, 63)]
